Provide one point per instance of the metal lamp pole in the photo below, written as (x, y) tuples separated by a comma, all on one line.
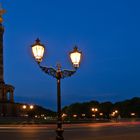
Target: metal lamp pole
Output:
[(59, 130), (38, 52)]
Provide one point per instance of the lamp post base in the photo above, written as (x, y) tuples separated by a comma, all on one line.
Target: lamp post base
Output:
[(59, 133)]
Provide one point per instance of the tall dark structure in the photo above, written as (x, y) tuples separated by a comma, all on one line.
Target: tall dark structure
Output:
[(6, 90)]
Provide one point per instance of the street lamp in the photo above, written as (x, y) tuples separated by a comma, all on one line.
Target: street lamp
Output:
[(94, 110), (133, 114), (31, 107), (116, 111), (38, 50), (24, 106)]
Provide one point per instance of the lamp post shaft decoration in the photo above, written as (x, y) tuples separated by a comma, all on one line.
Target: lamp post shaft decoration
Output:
[(38, 53)]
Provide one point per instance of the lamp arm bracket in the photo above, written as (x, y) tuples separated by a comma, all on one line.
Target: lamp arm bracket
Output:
[(54, 73), (49, 70), (67, 73)]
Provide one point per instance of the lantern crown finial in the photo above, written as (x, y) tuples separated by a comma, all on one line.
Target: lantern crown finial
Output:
[(37, 40), (75, 47)]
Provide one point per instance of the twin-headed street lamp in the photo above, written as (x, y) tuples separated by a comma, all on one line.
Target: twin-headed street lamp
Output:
[(38, 50), (94, 110)]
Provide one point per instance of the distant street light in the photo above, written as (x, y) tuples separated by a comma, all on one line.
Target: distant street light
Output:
[(93, 115), (31, 107), (116, 111), (94, 110), (133, 114), (83, 115), (64, 115), (38, 50), (74, 115), (24, 106), (101, 114)]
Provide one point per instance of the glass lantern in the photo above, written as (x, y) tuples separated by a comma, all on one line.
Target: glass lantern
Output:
[(75, 57), (38, 50)]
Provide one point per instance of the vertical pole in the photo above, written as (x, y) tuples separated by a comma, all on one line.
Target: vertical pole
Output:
[(59, 129), (1, 71), (1, 54)]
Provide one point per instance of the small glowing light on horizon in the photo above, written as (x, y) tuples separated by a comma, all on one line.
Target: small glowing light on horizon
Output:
[(24, 106), (116, 111), (133, 114), (74, 115), (101, 114), (64, 115), (83, 115), (31, 106)]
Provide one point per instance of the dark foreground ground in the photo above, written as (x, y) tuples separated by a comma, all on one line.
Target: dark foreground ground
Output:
[(90, 131)]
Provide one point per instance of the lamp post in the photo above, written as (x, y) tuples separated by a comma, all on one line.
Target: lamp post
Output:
[(75, 56), (94, 110)]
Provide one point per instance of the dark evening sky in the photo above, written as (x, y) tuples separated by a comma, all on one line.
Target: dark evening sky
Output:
[(107, 32)]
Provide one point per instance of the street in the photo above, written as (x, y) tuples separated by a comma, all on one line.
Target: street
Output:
[(91, 131)]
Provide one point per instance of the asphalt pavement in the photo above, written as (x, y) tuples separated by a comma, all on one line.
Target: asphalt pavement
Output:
[(89, 131)]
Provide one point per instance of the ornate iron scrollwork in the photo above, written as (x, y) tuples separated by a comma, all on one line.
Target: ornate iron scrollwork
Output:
[(51, 71)]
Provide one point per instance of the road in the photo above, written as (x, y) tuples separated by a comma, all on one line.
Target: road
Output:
[(93, 131)]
